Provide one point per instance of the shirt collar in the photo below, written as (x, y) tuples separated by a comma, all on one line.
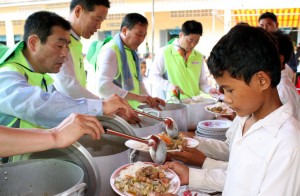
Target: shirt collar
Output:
[(29, 65), (272, 122), (74, 34)]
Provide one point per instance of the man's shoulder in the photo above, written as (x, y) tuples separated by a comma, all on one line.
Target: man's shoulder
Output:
[(110, 44), (12, 66)]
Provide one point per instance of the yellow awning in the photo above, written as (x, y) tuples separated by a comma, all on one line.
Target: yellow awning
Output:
[(285, 17)]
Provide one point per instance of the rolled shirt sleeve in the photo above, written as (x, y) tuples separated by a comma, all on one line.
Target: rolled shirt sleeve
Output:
[(207, 179), (32, 104)]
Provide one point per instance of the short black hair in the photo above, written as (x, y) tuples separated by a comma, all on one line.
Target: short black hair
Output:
[(270, 15), (132, 19), (243, 52), (285, 45), (89, 5), (192, 27), (41, 23)]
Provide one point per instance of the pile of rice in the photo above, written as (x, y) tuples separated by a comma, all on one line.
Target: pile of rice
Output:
[(141, 146), (130, 170)]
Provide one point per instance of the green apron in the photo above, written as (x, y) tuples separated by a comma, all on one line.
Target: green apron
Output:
[(77, 57), (183, 74)]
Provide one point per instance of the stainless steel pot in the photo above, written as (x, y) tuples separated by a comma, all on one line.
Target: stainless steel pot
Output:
[(110, 152), (176, 111), (197, 112), (148, 127), (41, 177), (78, 155)]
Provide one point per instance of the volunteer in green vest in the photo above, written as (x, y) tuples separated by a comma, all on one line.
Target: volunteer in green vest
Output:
[(118, 68), (26, 96), (85, 18), (178, 66)]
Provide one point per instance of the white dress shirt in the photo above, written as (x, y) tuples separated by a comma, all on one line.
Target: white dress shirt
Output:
[(288, 93), (107, 71), (213, 172), (289, 72), (31, 103), (65, 80), (265, 161)]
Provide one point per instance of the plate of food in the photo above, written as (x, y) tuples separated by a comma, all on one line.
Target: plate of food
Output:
[(172, 144), (142, 178), (219, 108)]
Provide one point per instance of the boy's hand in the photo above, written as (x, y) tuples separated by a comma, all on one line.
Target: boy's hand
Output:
[(181, 170), (189, 156)]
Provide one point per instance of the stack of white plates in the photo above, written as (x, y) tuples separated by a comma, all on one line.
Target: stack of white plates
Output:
[(215, 129)]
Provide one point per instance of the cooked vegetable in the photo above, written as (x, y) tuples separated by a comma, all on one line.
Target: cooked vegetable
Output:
[(173, 143)]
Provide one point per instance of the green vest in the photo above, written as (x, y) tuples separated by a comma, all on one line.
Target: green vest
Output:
[(94, 50), (77, 57), (183, 74), (131, 63), (19, 64)]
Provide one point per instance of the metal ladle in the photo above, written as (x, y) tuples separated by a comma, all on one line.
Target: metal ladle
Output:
[(157, 148), (171, 126)]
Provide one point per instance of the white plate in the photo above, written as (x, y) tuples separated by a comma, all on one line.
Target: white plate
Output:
[(192, 143), (228, 112), (212, 125), (210, 137), (175, 181), (211, 132)]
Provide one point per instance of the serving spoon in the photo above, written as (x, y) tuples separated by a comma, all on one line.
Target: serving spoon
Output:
[(171, 126), (157, 148)]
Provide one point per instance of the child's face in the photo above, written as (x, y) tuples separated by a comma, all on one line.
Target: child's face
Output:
[(244, 99)]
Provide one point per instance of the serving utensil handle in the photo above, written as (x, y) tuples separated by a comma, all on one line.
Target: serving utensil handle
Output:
[(148, 115), (111, 132)]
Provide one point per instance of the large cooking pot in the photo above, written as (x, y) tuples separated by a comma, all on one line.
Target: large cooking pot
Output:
[(148, 127), (197, 112), (41, 177), (78, 155), (110, 152), (176, 111)]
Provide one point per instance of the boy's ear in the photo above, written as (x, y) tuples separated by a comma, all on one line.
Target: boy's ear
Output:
[(264, 80)]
